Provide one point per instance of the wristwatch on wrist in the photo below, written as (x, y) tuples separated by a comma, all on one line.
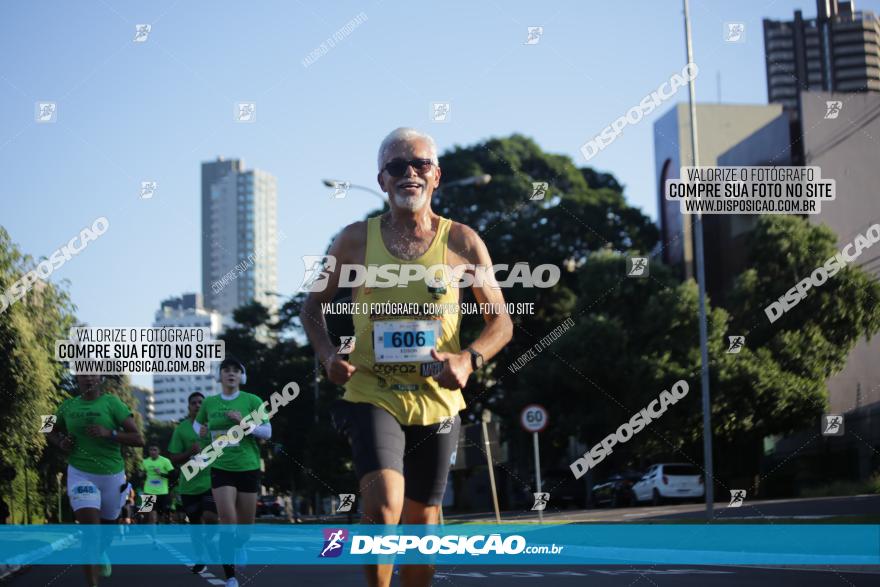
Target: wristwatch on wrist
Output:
[(113, 434), (476, 359)]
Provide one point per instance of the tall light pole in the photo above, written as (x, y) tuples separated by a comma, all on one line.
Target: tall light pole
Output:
[(701, 284)]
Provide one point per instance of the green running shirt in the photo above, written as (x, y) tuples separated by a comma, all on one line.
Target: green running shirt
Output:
[(101, 456), (183, 438), (245, 455), (155, 484)]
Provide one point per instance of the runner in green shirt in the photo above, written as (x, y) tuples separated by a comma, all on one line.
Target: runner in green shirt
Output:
[(94, 451), (235, 474), (195, 493), (92, 427), (157, 469)]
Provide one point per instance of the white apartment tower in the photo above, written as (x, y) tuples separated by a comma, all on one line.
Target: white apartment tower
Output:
[(239, 236), (171, 391)]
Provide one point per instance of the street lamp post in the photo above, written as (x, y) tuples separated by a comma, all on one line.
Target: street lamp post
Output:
[(701, 283)]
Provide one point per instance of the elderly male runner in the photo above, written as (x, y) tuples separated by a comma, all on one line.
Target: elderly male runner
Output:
[(404, 378)]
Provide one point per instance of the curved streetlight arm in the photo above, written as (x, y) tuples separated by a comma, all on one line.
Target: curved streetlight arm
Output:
[(477, 180), (332, 183)]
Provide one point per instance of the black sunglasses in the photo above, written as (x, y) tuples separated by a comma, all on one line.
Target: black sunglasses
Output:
[(397, 167)]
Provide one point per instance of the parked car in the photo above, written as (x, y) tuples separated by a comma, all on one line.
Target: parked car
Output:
[(269, 505), (669, 481), (616, 491)]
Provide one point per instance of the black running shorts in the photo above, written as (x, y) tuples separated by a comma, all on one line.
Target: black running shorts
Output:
[(244, 481), (379, 441), (196, 505)]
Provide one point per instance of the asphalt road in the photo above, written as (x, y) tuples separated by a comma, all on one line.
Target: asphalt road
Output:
[(814, 509), (555, 576), (464, 576)]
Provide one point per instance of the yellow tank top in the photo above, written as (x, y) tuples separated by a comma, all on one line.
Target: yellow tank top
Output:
[(392, 350)]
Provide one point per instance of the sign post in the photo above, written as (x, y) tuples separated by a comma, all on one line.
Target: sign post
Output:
[(534, 419), (485, 418)]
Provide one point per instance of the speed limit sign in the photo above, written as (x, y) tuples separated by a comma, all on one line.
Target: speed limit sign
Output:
[(533, 418)]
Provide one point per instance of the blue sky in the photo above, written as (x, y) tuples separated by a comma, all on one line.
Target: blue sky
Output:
[(129, 111)]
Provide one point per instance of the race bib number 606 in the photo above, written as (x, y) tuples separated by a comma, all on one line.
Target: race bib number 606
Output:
[(402, 341)]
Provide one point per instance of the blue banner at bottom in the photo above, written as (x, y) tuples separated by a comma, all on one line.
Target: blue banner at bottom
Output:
[(506, 544)]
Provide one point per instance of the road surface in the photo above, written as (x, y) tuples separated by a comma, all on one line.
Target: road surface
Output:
[(465, 576), (813, 509), (550, 576)]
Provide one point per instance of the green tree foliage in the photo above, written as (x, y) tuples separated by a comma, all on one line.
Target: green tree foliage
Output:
[(635, 337), (31, 381), (777, 383)]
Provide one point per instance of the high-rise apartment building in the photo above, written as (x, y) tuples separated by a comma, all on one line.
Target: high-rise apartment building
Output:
[(239, 236), (838, 51), (170, 391)]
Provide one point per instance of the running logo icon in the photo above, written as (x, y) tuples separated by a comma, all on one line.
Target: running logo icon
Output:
[(141, 32), (445, 426), (832, 109), (340, 188), (346, 345), (46, 112), (541, 501), (440, 111), (246, 112), (147, 503), (539, 190), (317, 273), (534, 35), (346, 502), (832, 425), (735, 344), (734, 32), (737, 498), (333, 542), (148, 189), (637, 267), (47, 423)]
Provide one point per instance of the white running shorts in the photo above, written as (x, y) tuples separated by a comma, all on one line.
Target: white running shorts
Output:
[(90, 490)]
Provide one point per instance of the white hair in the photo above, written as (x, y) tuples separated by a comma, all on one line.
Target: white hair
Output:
[(406, 134)]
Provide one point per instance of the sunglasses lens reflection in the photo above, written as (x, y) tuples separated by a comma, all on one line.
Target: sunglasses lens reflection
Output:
[(397, 168)]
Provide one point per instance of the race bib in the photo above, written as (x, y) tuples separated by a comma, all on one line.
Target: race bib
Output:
[(84, 494), (405, 341), (215, 434)]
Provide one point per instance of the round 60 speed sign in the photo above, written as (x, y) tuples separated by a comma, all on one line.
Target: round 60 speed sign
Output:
[(533, 418)]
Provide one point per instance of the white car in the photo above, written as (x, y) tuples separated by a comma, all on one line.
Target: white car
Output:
[(669, 481)]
